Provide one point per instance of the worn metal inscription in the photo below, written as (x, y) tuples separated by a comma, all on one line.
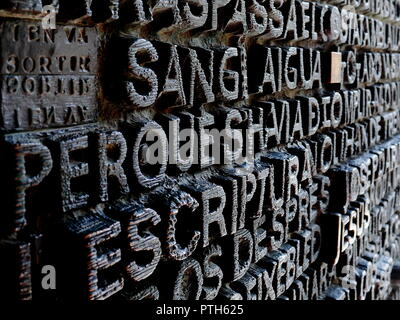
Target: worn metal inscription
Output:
[(48, 77), (199, 150)]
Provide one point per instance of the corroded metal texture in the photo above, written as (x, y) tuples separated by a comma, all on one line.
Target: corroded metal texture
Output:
[(225, 149)]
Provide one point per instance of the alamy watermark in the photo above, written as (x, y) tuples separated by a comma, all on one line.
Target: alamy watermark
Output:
[(50, 17), (193, 147), (48, 277)]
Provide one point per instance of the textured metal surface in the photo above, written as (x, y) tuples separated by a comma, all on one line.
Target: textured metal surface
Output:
[(225, 149)]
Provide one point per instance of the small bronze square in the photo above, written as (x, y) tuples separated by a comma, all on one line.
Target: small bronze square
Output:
[(336, 67)]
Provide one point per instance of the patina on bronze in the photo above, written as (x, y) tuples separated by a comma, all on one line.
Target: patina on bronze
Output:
[(275, 127)]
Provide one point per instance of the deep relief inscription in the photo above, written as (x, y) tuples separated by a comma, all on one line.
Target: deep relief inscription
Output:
[(200, 150)]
